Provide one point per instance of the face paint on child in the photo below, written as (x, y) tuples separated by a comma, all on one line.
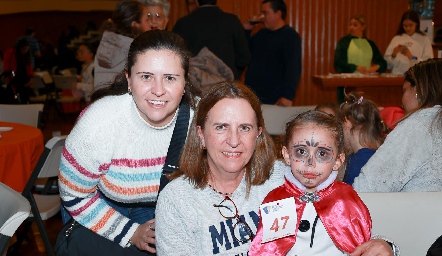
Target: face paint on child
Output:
[(311, 160)]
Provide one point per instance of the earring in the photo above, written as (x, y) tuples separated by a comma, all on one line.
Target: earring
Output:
[(416, 95), (204, 147), (129, 91)]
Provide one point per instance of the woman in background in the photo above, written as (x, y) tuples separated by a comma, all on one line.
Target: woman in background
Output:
[(411, 157), (355, 53), (157, 13), (129, 19), (409, 46)]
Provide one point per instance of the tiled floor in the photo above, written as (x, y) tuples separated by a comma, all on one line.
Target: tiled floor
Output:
[(33, 245)]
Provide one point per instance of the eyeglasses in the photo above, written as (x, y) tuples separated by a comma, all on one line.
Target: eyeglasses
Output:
[(153, 16), (323, 155), (241, 230)]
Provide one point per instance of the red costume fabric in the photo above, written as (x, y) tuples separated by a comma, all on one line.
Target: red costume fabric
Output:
[(10, 62), (344, 215)]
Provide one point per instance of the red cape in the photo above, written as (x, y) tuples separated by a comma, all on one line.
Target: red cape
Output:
[(344, 215)]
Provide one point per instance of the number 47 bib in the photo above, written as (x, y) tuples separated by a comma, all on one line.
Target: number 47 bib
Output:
[(279, 219)]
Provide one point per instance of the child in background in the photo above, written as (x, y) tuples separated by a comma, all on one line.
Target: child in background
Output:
[(330, 217), (364, 132), (86, 54), (329, 108)]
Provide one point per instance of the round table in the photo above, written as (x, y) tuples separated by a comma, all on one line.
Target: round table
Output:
[(20, 150)]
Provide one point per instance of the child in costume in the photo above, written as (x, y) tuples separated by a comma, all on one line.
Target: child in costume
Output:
[(311, 213)]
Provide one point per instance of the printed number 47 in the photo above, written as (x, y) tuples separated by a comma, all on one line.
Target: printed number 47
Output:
[(275, 225)]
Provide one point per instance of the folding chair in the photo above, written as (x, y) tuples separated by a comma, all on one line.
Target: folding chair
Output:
[(66, 99), (14, 209), (44, 205), (28, 114)]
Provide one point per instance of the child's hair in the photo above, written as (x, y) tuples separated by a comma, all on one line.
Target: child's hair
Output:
[(364, 115), (320, 119), (328, 105), (92, 47)]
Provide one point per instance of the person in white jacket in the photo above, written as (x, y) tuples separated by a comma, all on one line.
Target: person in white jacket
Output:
[(409, 46), (129, 19)]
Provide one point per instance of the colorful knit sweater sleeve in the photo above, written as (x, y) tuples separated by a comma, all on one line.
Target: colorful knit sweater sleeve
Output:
[(113, 151)]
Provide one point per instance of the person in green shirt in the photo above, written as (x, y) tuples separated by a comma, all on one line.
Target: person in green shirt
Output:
[(355, 53)]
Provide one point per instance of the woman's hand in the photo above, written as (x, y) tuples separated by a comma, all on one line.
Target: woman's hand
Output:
[(373, 69), (362, 69), (405, 51), (144, 236), (376, 247), (396, 50)]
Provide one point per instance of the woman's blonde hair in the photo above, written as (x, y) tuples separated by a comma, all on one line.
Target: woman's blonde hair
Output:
[(363, 20)]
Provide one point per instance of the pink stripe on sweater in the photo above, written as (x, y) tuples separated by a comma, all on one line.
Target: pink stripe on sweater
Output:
[(77, 166), (134, 163), (79, 210)]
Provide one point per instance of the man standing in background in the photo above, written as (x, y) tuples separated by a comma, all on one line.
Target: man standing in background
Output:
[(275, 66), (222, 33), (34, 46)]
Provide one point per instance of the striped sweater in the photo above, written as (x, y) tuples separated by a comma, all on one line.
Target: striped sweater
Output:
[(111, 148)]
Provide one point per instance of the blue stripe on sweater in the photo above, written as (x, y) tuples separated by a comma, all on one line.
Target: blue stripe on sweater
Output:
[(70, 203), (134, 177), (124, 231), (72, 176), (94, 213)]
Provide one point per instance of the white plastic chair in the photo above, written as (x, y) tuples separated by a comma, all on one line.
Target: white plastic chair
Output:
[(413, 220), (65, 83), (44, 205), (28, 114), (14, 209), (275, 117)]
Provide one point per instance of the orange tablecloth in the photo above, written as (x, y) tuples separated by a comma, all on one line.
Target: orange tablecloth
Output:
[(20, 150)]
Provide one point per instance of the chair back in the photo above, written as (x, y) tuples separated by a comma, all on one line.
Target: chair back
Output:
[(47, 79), (28, 114), (48, 164), (14, 209), (37, 83), (69, 72), (275, 117), (51, 166), (64, 82), (45, 205), (413, 220)]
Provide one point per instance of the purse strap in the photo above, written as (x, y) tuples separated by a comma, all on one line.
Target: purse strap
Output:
[(176, 144)]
